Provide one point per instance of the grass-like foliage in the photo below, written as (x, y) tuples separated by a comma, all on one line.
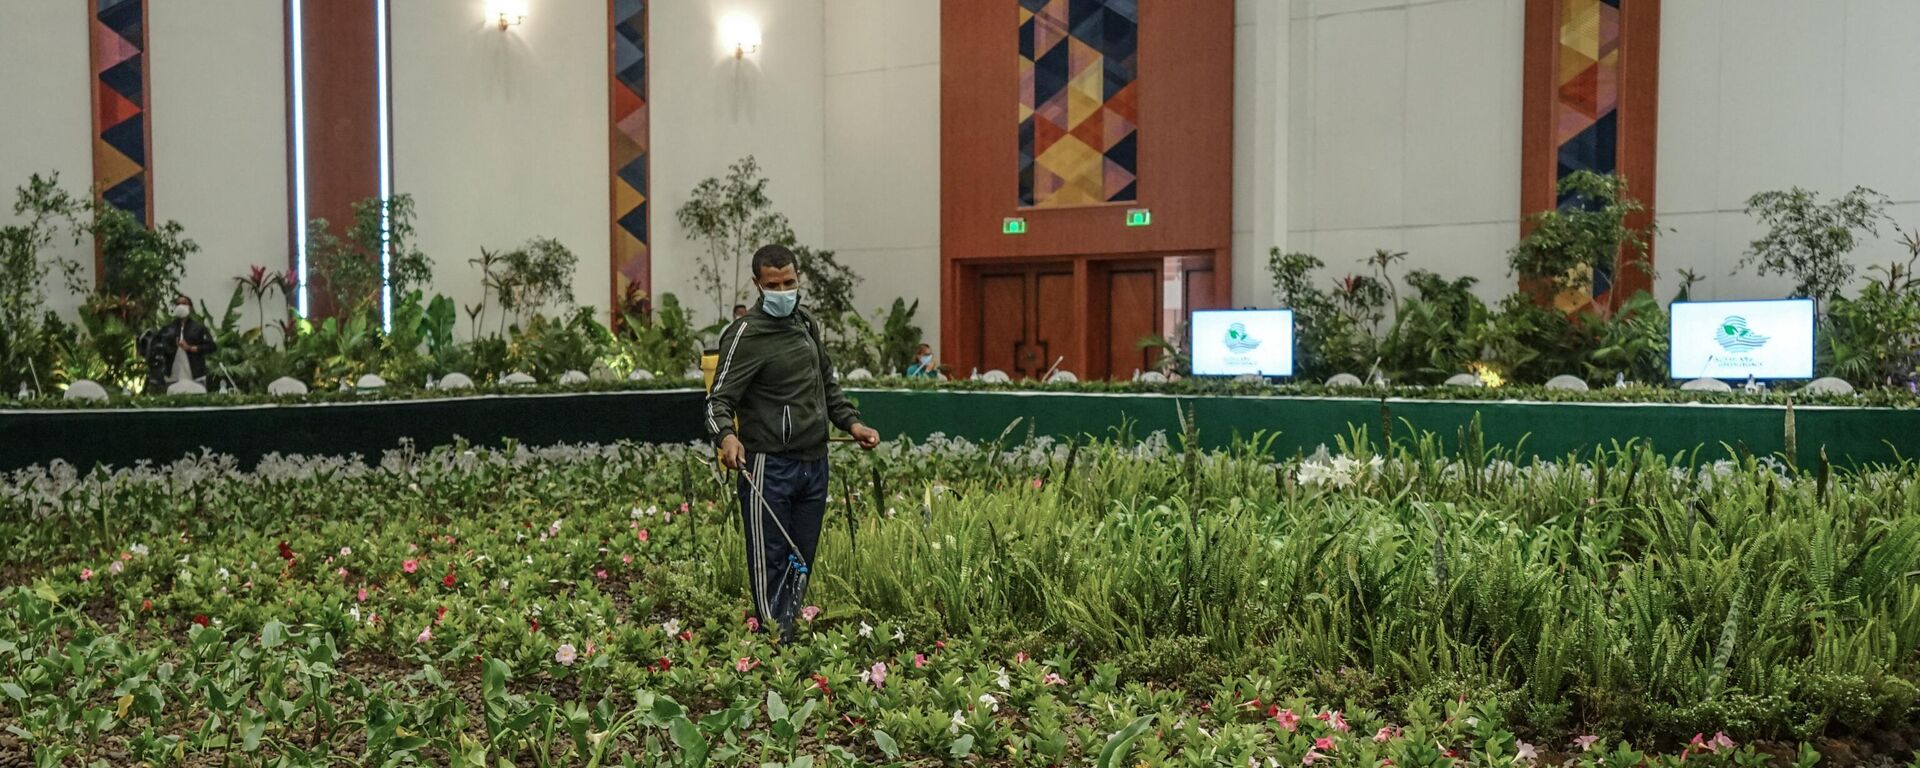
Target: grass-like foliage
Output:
[(1025, 602)]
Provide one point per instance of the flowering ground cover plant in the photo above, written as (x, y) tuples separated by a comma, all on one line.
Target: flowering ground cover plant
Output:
[(1114, 603)]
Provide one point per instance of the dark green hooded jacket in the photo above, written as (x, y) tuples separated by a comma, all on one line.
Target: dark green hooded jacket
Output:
[(775, 377)]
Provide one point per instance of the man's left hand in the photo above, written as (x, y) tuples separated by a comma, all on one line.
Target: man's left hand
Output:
[(866, 436)]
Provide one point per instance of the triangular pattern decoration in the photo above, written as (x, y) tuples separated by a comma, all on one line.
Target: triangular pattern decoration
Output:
[(631, 265), (1078, 95), (118, 43), (1586, 108)]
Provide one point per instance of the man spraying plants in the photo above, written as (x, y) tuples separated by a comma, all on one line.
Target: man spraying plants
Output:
[(774, 395)]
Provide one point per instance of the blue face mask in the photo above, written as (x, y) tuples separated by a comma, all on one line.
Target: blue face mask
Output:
[(926, 360), (779, 303)]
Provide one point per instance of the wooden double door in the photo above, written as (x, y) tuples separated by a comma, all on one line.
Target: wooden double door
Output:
[(1027, 319), (1087, 316)]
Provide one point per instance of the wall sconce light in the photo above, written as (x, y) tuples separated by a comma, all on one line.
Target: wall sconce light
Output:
[(742, 34), (507, 13)]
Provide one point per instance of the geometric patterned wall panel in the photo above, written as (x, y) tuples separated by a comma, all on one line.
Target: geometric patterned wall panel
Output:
[(1079, 99), (1586, 106), (118, 45), (632, 265)]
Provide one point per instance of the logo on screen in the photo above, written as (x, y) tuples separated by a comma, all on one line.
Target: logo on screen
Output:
[(1733, 335), (1239, 340)]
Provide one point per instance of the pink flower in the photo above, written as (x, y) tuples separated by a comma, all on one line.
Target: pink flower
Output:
[(1585, 743), (919, 661), (409, 565), (342, 573), (1324, 742), (566, 655), (600, 574), (344, 551), (1052, 679), (1287, 720), (877, 675), (1384, 735), (116, 567), (753, 624), (1037, 483), (1020, 657), (86, 574), (1716, 744), (683, 507), (1340, 723), (746, 664), (363, 594), (809, 612), (643, 535), (1312, 757), (425, 634)]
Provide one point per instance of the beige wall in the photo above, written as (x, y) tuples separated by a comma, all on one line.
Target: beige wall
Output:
[(709, 109), (46, 125), (501, 136), (882, 180)]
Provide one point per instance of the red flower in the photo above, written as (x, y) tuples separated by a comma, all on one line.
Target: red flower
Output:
[(200, 619), (663, 665), (448, 582), (686, 636), (534, 623), (820, 681), (286, 552), (146, 605), (439, 614)]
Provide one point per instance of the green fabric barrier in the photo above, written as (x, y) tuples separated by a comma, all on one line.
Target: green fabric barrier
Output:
[(1548, 430), (124, 436)]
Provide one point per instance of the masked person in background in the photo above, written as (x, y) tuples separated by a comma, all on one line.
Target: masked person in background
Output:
[(922, 366), (184, 343), (774, 378)]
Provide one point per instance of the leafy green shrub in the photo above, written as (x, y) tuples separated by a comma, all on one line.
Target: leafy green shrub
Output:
[(1586, 234), (1808, 240)]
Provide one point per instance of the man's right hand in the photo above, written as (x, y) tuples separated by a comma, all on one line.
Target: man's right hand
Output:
[(732, 453)]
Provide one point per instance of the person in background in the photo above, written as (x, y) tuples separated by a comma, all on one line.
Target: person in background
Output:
[(922, 366), (186, 344), (775, 379), (739, 311)]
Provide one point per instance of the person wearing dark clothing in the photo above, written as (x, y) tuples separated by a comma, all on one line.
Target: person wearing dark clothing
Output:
[(775, 395), (178, 350)]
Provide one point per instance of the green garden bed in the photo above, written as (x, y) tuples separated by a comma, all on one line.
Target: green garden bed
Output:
[(1114, 604)]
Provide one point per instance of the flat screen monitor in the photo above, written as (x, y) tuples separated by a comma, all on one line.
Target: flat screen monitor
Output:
[(1736, 340), (1242, 341)]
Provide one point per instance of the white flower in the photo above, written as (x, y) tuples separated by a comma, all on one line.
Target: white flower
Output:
[(345, 551), (1002, 680), (528, 559), (224, 575), (899, 635), (866, 630), (992, 704), (671, 627), (566, 654), (959, 719), (138, 549), (1526, 752), (355, 613)]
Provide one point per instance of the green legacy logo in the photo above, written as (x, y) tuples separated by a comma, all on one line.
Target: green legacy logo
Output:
[(1733, 335), (1239, 340)]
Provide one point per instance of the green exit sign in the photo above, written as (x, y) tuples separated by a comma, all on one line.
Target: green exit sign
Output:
[(1013, 225), (1139, 217)]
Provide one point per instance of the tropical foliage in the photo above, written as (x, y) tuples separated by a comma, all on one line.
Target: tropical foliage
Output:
[(1120, 602)]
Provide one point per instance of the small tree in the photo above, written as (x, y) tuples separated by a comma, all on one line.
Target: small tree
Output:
[(534, 276), (733, 217), (1588, 233), (1809, 240), (350, 268)]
